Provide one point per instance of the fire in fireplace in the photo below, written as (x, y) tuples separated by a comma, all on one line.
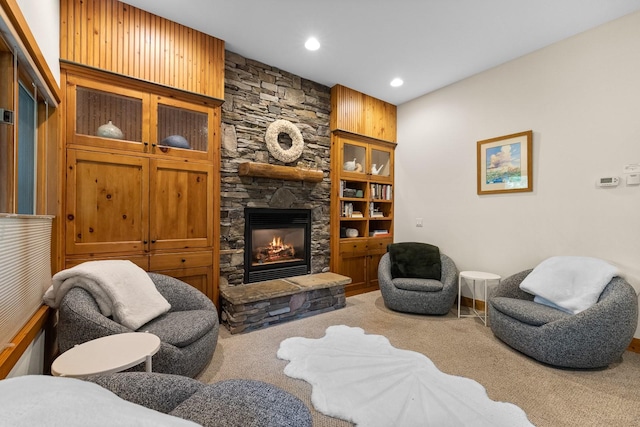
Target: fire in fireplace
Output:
[(279, 249), (277, 243)]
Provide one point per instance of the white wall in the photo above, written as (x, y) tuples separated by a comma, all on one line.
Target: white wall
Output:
[(32, 361), (581, 98), (43, 18)]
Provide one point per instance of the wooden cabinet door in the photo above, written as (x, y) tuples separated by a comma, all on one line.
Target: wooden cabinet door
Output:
[(181, 194), (107, 203), (182, 129), (123, 112), (200, 278), (355, 267), (352, 159), (376, 247), (380, 163), (352, 262)]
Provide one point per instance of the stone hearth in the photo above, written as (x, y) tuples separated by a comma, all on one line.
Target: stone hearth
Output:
[(257, 305)]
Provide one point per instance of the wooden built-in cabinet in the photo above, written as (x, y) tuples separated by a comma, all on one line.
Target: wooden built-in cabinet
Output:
[(362, 176), (132, 196)]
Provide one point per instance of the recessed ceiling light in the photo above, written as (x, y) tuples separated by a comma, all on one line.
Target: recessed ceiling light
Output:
[(312, 44), (397, 82)]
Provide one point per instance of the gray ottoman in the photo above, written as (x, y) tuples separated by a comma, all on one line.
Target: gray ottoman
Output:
[(231, 403)]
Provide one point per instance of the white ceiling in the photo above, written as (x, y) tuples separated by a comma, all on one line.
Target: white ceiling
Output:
[(367, 43)]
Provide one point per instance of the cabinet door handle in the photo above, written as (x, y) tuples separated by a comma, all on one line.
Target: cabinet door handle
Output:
[(153, 241), (145, 143), (183, 260), (154, 144), (145, 241)]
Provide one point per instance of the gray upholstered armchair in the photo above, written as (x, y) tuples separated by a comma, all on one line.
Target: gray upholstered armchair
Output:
[(593, 338), (421, 296), (188, 332), (230, 403)]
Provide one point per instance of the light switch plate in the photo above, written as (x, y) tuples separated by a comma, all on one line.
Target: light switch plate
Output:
[(633, 179)]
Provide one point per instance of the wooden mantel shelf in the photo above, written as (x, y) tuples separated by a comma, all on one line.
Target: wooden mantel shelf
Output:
[(288, 173)]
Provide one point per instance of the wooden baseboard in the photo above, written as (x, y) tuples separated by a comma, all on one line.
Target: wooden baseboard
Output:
[(468, 302), (635, 345)]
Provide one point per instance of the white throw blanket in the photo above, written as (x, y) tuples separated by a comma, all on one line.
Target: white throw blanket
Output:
[(364, 379), (43, 400), (121, 289), (569, 283)]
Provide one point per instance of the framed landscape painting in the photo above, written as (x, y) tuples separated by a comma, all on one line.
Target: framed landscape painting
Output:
[(505, 164)]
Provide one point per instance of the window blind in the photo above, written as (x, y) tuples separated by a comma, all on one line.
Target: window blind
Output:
[(25, 270)]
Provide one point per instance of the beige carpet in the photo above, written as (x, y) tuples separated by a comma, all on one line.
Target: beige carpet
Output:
[(550, 397)]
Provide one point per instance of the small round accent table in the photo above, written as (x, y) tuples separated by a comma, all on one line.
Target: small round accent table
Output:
[(106, 355), (474, 276)]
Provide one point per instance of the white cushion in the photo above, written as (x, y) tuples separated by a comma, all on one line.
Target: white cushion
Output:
[(569, 283)]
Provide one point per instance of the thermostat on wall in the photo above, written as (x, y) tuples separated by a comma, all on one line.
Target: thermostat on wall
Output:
[(608, 181)]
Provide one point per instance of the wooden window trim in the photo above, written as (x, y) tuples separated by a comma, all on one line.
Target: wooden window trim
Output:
[(33, 54), (10, 356)]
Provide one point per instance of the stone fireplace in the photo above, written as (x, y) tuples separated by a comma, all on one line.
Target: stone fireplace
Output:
[(255, 96), (251, 298), (278, 243)]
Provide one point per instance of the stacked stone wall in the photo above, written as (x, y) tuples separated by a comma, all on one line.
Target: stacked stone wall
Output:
[(255, 96)]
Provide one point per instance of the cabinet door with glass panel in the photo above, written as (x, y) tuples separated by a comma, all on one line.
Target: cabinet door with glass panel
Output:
[(360, 158), (182, 129), (380, 161), (101, 115)]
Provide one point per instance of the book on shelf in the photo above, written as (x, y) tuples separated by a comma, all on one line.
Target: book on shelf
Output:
[(377, 214), (356, 214), (381, 191), (380, 233)]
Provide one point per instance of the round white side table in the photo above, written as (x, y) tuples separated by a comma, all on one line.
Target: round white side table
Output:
[(474, 276), (106, 355)]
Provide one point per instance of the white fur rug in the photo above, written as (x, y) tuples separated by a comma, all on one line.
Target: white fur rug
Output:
[(364, 379)]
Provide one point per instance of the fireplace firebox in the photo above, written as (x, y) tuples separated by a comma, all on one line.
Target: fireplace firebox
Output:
[(277, 243)]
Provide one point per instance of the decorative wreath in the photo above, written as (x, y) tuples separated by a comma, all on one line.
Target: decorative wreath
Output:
[(274, 147)]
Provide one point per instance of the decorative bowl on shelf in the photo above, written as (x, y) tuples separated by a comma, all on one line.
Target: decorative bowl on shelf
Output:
[(352, 232), (109, 130), (177, 141)]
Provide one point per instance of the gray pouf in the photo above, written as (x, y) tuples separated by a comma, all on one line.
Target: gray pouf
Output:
[(230, 403)]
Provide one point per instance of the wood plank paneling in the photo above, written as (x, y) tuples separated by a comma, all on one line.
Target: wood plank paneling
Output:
[(113, 36), (361, 114)]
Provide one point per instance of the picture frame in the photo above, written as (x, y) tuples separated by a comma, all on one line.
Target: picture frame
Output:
[(505, 164)]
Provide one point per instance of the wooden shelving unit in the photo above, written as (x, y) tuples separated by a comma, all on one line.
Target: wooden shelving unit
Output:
[(362, 178)]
